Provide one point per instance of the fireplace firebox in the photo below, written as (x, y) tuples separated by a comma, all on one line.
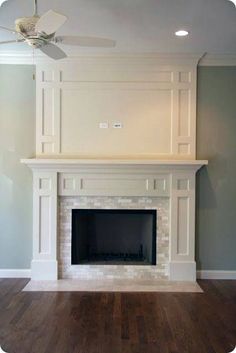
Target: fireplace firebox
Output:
[(113, 237)]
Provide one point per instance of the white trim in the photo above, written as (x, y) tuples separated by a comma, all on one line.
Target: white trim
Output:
[(61, 164), (211, 274), (44, 270), (24, 57), (182, 271), (218, 60), (15, 273)]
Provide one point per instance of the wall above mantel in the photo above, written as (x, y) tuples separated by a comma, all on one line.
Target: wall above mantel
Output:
[(152, 98)]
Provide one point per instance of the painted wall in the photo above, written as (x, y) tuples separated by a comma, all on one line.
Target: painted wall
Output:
[(17, 140), (216, 195)]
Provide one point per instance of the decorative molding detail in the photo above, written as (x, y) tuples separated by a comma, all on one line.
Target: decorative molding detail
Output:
[(139, 91), (24, 57), (212, 274), (15, 273), (218, 60)]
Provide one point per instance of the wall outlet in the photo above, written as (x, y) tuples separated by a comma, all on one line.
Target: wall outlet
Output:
[(117, 125), (103, 125)]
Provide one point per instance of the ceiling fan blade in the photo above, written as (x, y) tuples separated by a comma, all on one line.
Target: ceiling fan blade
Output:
[(53, 51), (234, 2), (50, 22), (2, 2), (8, 29), (12, 41), (86, 41)]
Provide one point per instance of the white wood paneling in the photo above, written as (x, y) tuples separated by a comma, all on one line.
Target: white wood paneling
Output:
[(182, 251), (44, 224), (154, 101), (121, 184), (172, 179)]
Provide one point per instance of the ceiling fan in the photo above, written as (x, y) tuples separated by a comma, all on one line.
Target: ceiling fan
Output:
[(40, 33)]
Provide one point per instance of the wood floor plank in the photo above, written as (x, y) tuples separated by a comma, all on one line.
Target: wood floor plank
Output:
[(75, 322)]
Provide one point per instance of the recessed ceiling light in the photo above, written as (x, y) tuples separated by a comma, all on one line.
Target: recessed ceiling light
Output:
[(181, 33)]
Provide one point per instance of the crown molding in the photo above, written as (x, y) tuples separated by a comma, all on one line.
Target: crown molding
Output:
[(27, 58), (218, 60), (200, 59)]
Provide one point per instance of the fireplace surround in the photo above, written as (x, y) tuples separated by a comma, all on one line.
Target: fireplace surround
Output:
[(148, 163), (62, 185)]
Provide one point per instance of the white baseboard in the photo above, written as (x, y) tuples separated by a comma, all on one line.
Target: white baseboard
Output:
[(13, 273), (216, 274)]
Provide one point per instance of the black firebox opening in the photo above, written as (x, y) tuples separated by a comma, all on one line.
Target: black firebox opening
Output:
[(113, 237)]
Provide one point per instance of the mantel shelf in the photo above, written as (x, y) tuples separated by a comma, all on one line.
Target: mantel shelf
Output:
[(96, 162)]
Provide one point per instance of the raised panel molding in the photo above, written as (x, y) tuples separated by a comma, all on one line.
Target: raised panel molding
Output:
[(122, 184), (182, 232), (44, 225), (155, 101)]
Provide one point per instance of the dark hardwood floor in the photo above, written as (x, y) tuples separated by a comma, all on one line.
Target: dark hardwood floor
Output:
[(73, 322)]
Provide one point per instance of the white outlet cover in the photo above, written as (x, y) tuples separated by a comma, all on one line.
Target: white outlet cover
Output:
[(104, 125)]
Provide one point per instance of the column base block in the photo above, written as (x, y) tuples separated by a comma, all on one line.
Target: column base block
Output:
[(44, 270), (182, 271)]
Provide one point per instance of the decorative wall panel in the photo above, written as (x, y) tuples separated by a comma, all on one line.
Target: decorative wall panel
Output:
[(154, 102)]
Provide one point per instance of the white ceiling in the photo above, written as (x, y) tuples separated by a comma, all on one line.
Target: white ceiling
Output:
[(139, 25)]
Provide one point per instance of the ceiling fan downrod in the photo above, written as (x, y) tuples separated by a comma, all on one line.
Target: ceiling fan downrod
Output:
[(36, 8)]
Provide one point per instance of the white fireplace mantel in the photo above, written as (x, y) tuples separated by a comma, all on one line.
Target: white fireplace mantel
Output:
[(55, 163), (172, 179)]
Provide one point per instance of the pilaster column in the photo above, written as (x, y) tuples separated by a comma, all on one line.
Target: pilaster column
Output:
[(44, 263), (182, 226)]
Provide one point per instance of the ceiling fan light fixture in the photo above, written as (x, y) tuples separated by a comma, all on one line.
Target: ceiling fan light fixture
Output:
[(182, 33), (40, 33)]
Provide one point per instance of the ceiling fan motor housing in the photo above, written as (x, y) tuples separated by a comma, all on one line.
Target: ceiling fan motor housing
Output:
[(26, 25)]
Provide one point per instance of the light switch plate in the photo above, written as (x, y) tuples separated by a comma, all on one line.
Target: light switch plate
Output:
[(117, 125)]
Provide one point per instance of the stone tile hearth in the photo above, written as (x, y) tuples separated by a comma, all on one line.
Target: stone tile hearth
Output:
[(92, 285)]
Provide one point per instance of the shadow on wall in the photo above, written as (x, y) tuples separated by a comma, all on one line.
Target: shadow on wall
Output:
[(210, 181)]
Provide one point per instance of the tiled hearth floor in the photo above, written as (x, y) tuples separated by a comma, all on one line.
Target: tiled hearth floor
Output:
[(75, 285)]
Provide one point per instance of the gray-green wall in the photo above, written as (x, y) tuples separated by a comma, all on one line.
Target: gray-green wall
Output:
[(216, 192), (17, 140)]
